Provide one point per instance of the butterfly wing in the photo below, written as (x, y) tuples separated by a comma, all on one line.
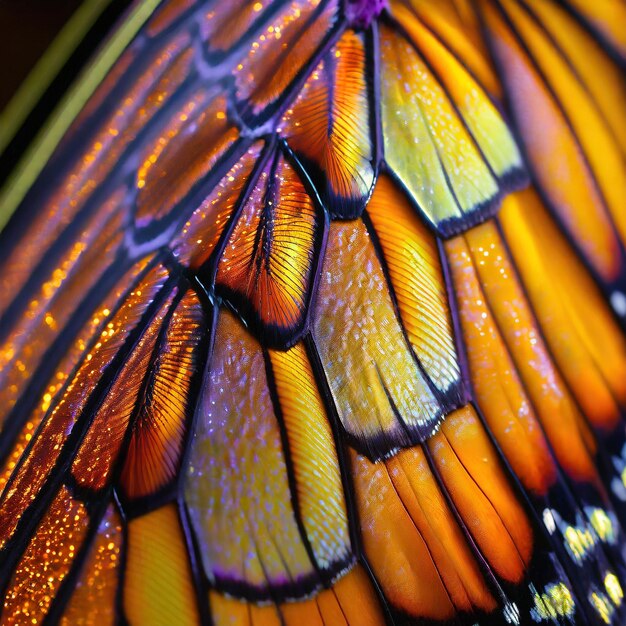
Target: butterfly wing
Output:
[(288, 342)]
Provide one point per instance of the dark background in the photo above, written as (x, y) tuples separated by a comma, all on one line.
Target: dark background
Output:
[(27, 27)]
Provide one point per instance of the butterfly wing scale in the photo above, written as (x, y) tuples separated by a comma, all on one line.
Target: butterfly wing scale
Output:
[(278, 351)]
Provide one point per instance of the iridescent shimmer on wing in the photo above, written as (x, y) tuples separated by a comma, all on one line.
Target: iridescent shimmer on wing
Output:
[(316, 317)]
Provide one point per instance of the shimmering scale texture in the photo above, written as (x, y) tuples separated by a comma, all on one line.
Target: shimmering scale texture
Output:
[(412, 258), (106, 146), (383, 399), (426, 144), (285, 439), (198, 237), (222, 27), (184, 153), (328, 126), (156, 445), (269, 67), (46, 561), (59, 295), (101, 445), (312, 452), (268, 264), (78, 350), (553, 153), (93, 600), (499, 390), (242, 517), (31, 474), (510, 305), (555, 408)]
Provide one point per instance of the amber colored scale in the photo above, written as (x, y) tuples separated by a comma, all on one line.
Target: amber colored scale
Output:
[(315, 317)]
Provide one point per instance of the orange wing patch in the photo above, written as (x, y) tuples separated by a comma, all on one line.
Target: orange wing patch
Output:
[(46, 561), (158, 432), (596, 138), (328, 126), (577, 323), (472, 473), (224, 26), (158, 587), (554, 154), (29, 417), (102, 444), (456, 25), (93, 601), (186, 150), (565, 428), (267, 267), (606, 19), (497, 385), (51, 438), (200, 234), (263, 75), (412, 541), (412, 258), (594, 68)]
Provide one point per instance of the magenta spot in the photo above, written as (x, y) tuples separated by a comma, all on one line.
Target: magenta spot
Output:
[(362, 12)]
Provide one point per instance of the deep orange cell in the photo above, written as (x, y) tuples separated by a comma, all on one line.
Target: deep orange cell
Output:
[(267, 266), (553, 152), (158, 431), (35, 466), (199, 235), (93, 602), (498, 386), (333, 133), (101, 445), (586, 341)]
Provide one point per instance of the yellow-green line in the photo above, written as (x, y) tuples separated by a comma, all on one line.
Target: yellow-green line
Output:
[(37, 155), (50, 64)]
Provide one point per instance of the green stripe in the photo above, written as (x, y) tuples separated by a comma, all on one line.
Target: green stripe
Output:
[(48, 67), (37, 155)]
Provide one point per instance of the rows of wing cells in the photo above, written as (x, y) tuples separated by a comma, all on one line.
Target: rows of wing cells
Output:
[(294, 341)]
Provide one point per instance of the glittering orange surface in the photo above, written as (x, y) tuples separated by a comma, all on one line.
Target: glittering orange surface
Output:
[(46, 561), (93, 600), (46, 447), (101, 445)]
